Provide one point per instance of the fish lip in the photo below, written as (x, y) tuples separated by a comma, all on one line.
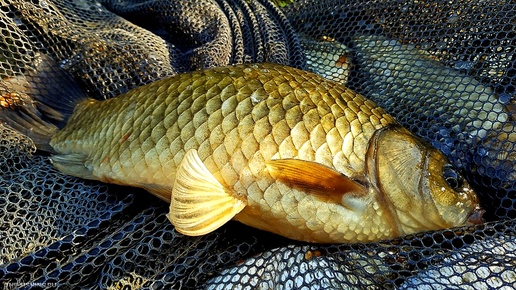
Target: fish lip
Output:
[(476, 217)]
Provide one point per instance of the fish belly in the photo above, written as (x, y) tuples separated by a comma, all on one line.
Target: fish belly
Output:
[(294, 214)]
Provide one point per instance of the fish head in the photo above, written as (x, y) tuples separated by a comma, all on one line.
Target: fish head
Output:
[(418, 184), (455, 200)]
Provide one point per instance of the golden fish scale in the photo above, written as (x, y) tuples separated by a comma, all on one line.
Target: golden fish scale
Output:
[(237, 118)]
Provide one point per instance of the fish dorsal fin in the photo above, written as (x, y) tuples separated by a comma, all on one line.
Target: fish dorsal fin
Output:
[(200, 204), (314, 176)]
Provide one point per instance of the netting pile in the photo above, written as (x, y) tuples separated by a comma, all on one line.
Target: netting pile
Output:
[(446, 70)]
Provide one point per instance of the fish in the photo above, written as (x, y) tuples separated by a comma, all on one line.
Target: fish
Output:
[(461, 116), (400, 73), (327, 57), (485, 264), (271, 146), (497, 151), (287, 268)]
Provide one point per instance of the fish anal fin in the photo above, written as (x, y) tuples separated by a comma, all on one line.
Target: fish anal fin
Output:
[(315, 177), (200, 203)]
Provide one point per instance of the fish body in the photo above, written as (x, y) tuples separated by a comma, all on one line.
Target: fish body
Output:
[(279, 265), (403, 74), (273, 147), (462, 117), (327, 58), (465, 266)]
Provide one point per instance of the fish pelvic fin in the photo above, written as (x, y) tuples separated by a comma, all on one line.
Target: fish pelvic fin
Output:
[(39, 103), (72, 164), (315, 177), (200, 204)]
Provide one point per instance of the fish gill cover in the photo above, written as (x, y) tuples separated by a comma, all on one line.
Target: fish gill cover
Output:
[(446, 70)]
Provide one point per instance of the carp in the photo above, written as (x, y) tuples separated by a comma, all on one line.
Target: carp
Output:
[(274, 147)]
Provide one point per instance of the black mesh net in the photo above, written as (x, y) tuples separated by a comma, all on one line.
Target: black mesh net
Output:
[(445, 69)]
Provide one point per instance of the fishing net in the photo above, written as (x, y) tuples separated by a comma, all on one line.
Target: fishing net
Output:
[(445, 69)]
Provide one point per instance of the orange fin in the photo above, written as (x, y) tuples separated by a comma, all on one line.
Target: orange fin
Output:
[(313, 176), (200, 204)]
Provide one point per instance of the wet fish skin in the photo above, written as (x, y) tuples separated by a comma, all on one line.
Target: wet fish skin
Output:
[(401, 73), (276, 148), (327, 58), (249, 114), (461, 116), (279, 266), (464, 266)]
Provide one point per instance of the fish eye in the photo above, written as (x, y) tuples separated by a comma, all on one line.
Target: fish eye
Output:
[(452, 177)]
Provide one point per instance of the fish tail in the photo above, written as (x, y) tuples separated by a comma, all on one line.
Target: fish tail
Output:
[(39, 103)]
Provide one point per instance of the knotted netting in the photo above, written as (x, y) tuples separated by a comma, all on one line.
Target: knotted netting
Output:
[(445, 69)]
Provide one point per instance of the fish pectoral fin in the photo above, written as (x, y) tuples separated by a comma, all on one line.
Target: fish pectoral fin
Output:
[(314, 176), (72, 164), (200, 204)]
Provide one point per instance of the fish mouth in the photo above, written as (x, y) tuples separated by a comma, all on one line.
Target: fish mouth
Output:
[(476, 217)]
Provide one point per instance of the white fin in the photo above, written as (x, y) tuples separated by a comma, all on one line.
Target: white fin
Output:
[(200, 204), (72, 164)]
